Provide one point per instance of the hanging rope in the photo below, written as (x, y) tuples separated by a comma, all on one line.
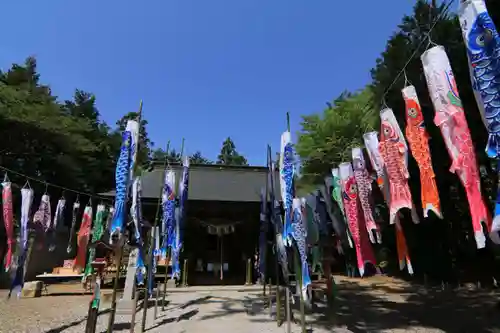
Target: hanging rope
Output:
[(47, 185)]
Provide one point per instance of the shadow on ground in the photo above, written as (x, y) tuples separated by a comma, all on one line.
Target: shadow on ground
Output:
[(185, 316), (74, 323), (364, 307), (375, 307)]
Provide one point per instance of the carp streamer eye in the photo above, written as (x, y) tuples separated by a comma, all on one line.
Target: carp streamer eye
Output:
[(387, 131), (352, 189), (480, 39), (412, 112)]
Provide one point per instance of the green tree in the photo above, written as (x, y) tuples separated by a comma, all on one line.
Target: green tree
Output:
[(105, 142), (326, 140), (228, 154), (198, 158), (58, 143), (145, 144)]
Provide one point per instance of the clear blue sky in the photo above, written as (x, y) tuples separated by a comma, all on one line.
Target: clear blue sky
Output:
[(206, 69)]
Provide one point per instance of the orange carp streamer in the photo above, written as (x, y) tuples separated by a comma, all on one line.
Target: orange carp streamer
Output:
[(418, 139)]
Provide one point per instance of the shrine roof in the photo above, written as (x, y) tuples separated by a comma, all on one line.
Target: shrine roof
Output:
[(212, 182)]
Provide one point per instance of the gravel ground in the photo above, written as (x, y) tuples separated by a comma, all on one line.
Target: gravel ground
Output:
[(361, 307)]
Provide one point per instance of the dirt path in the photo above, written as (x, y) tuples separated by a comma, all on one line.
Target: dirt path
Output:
[(367, 305)]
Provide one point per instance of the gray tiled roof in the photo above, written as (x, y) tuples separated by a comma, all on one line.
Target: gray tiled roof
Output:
[(213, 183)]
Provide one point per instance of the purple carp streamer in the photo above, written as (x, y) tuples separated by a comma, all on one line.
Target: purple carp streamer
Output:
[(364, 182), (364, 251), (58, 219), (27, 195), (287, 173), (483, 51), (42, 216)]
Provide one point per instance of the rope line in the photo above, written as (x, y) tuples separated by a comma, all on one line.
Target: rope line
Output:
[(47, 184)]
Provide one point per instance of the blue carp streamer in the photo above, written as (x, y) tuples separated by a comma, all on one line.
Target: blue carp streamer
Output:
[(483, 50), (287, 172), (168, 206), (180, 215), (299, 235)]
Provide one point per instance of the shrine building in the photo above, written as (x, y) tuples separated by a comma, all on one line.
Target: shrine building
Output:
[(221, 228)]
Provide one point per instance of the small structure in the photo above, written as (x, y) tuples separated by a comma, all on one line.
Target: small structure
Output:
[(222, 224)]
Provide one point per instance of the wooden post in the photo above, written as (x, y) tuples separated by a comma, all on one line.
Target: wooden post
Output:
[(149, 261), (278, 301), (185, 273), (167, 261), (264, 287), (146, 281), (98, 267), (112, 313), (92, 313), (249, 272), (288, 310), (298, 282), (270, 298), (156, 300), (134, 309)]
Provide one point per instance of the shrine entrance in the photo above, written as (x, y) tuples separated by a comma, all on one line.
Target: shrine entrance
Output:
[(217, 249)]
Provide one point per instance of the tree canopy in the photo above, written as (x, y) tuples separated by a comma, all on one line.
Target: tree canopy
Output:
[(327, 139), (62, 142), (175, 157), (228, 154)]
